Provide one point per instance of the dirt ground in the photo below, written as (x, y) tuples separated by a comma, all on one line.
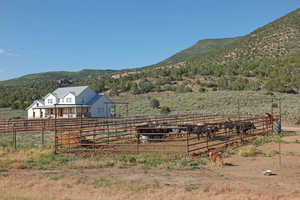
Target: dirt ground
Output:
[(241, 178)]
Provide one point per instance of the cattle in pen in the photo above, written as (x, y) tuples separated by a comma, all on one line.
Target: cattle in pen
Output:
[(152, 132), (243, 127), (228, 126), (201, 130)]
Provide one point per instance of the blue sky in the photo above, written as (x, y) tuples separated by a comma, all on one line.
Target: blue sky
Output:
[(70, 35)]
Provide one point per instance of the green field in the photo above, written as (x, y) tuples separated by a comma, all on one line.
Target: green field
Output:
[(213, 102), (7, 113), (218, 102)]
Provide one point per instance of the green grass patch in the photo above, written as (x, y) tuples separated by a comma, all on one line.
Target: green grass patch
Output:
[(297, 142), (48, 159), (56, 177), (261, 140), (271, 153), (157, 161), (248, 152)]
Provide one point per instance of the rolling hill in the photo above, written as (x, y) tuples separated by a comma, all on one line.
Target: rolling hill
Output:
[(267, 58), (278, 39), (202, 47), (57, 76)]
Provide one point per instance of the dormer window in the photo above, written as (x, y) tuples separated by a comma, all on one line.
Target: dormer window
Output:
[(37, 104), (69, 100), (50, 101)]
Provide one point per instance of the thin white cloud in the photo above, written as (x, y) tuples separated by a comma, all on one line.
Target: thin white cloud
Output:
[(6, 52), (2, 51)]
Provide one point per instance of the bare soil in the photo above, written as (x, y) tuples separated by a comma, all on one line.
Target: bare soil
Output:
[(241, 178)]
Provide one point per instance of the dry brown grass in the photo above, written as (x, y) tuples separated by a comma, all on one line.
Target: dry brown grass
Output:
[(11, 159), (67, 188), (147, 177), (85, 164), (21, 155)]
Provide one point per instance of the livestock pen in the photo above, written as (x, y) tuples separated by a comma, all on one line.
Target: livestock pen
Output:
[(187, 134)]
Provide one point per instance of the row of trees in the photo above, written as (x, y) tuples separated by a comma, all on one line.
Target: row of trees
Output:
[(274, 75)]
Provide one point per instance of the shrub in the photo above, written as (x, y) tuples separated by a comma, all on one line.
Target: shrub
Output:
[(269, 93), (266, 139), (271, 153), (183, 89), (154, 103), (249, 152), (202, 90), (274, 105), (296, 123), (126, 161), (145, 86), (165, 110)]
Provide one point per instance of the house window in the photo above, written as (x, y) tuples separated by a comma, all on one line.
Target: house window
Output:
[(100, 110), (69, 100), (50, 101), (61, 100)]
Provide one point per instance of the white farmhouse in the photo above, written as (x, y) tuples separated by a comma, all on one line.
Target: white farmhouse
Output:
[(71, 102)]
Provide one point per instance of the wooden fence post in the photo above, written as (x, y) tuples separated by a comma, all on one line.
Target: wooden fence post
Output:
[(55, 131), (138, 143), (207, 142), (239, 115), (107, 130), (14, 137), (43, 133), (187, 143), (94, 140)]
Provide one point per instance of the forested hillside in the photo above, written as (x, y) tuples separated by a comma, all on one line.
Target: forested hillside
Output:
[(268, 58)]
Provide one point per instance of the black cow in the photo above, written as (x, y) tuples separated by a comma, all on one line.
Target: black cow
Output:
[(244, 126), (144, 131), (211, 130), (192, 129), (229, 126), (200, 130)]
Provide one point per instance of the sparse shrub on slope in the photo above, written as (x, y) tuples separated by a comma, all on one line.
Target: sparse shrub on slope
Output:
[(165, 110), (154, 103)]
